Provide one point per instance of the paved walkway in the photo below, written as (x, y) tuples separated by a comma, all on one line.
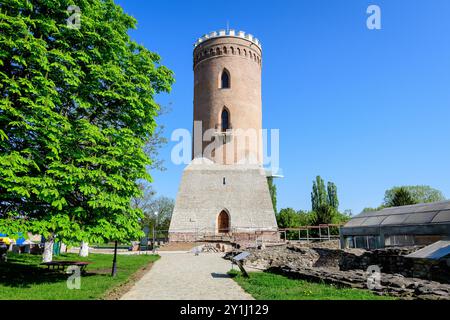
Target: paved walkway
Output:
[(184, 276)]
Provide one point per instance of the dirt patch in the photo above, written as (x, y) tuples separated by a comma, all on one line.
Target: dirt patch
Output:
[(178, 246), (117, 292)]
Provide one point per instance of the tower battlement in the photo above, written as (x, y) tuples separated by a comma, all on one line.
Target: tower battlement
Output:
[(228, 33)]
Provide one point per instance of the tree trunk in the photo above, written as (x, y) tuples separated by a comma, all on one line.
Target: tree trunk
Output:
[(84, 249), (47, 256), (114, 266)]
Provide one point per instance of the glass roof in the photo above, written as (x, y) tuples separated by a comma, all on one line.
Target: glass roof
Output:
[(438, 212)]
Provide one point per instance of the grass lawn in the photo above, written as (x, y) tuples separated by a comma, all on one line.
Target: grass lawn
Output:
[(22, 277), (269, 286)]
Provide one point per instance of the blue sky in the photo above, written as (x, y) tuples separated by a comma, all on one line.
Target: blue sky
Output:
[(366, 109)]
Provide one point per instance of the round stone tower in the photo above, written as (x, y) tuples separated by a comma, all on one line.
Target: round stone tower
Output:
[(227, 98), (225, 197)]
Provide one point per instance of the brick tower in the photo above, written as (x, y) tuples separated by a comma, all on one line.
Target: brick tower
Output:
[(227, 96), (224, 191)]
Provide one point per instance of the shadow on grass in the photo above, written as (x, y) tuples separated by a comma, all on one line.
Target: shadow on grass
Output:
[(26, 273)]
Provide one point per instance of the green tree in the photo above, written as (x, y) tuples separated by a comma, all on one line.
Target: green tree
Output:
[(319, 196), (420, 194), (273, 192), (402, 197), (306, 218), (324, 201), (332, 195), (288, 218), (160, 212), (370, 209), (77, 108), (324, 214)]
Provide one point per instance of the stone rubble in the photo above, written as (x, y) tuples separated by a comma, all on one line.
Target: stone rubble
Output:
[(390, 284), (325, 262)]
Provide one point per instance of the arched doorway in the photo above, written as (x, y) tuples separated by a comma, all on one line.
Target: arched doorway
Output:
[(223, 222)]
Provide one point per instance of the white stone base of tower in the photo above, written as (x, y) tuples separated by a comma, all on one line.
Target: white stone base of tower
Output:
[(218, 201)]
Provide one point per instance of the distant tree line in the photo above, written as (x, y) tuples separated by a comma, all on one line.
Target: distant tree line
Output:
[(324, 208), (408, 195)]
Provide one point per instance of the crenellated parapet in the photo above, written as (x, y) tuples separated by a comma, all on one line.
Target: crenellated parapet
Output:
[(228, 33), (230, 43)]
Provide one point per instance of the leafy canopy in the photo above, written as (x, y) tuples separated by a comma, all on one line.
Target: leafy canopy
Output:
[(324, 202), (76, 108), (419, 194)]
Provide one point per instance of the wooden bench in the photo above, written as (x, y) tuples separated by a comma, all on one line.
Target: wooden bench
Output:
[(61, 265)]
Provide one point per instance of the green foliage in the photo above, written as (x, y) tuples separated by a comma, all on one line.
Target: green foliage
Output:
[(288, 218), (369, 209), (332, 195), (341, 218), (324, 202), (419, 194), (401, 197), (324, 214), (319, 197), (273, 192), (306, 218), (325, 205), (77, 107)]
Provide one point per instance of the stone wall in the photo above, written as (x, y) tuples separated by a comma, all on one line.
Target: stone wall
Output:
[(393, 261), (207, 189)]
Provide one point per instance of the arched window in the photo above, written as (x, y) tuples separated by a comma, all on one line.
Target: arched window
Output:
[(225, 120), (225, 79)]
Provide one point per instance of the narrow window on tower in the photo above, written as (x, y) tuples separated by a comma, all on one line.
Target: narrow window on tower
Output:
[(225, 79), (225, 120)]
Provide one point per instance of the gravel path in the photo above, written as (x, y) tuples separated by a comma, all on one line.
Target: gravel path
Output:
[(184, 276)]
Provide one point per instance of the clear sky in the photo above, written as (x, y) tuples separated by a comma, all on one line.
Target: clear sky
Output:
[(366, 109)]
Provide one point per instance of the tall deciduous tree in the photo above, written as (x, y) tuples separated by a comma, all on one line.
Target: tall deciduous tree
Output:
[(332, 195), (402, 197), (76, 109), (420, 194), (319, 194), (324, 201)]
